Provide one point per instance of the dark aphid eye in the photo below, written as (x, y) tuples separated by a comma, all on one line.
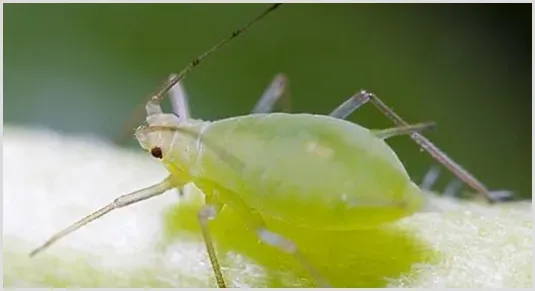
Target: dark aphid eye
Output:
[(156, 152)]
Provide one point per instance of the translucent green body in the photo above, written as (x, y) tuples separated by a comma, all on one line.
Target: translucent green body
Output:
[(308, 170)]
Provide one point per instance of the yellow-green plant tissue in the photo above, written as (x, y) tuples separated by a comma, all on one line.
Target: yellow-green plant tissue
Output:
[(51, 180)]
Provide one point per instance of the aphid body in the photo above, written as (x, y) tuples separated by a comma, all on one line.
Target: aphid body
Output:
[(311, 170)]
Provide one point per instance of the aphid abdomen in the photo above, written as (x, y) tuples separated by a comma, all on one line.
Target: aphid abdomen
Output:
[(311, 170)]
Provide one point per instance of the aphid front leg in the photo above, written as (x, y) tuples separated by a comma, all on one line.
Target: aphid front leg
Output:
[(207, 213), (274, 92)]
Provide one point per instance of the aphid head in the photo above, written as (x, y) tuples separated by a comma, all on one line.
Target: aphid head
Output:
[(158, 136)]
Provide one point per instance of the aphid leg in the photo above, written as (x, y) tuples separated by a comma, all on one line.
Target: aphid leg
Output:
[(179, 100), (206, 213), (502, 195), (253, 222), (349, 106), (453, 190), (453, 187), (119, 202), (402, 130), (362, 97), (286, 245), (272, 94), (430, 178)]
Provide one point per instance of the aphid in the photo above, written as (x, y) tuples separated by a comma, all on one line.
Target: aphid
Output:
[(315, 171)]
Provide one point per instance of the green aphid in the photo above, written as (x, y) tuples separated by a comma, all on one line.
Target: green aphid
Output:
[(314, 171)]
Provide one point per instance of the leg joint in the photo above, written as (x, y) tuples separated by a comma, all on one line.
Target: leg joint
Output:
[(277, 240), (207, 212)]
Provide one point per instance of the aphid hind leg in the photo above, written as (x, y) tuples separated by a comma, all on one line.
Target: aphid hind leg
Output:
[(403, 130), (119, 202), (502, 195), (179, 101), (363, 97), (453, 188), (349, 106), (207, 213), (276, 91)]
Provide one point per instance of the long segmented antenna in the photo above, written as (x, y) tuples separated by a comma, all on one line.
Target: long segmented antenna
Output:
[(160, 94)]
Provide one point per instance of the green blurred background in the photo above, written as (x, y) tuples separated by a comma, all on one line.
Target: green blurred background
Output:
[(82, 69)]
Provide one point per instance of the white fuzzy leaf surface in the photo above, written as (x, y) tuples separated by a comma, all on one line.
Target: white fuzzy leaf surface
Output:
[(51, 180)]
